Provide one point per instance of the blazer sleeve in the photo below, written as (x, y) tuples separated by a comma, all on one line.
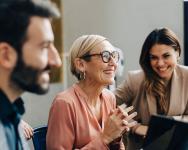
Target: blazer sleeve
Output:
[(183, 117), (124, 91), (185, 114)]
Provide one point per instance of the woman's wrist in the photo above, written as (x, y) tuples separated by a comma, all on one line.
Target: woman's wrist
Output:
[(133, 129), (141, 130), (106, 139)]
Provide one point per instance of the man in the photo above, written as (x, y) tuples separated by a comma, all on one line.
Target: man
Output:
[(27, 53)]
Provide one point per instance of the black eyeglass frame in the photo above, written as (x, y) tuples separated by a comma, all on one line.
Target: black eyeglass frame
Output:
[(102, 54)]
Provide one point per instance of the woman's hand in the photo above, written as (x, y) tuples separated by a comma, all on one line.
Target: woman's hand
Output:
[(118, 123), (141, 130), (27, 129)]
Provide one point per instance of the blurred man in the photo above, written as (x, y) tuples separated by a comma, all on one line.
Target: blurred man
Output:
[(27, 53)]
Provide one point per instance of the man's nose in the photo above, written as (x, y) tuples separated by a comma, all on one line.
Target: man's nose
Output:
[(54, 59)]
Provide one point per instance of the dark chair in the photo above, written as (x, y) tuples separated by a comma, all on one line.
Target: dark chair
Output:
[(39, 138)]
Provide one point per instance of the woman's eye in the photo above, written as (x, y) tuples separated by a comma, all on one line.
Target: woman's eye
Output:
[(166, 56), (106, 56), (153, 58)]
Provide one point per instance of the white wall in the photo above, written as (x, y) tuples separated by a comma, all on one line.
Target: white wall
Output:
[(125, 22), (37, 106)]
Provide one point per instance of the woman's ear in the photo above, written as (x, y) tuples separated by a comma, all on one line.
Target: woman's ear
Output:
[(8, 55), (177, 53), (80, 64), (178, 56)]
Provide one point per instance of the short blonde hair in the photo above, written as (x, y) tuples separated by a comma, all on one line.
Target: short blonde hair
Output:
[(81, 46)]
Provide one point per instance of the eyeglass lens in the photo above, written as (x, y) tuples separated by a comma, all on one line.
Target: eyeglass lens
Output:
[(106, 56)]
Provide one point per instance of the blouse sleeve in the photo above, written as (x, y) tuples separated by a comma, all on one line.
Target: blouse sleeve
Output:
[(95, 144), (61, 131), (60, 134)]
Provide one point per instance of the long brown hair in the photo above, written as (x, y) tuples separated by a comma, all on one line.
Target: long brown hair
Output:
[(153, 82)]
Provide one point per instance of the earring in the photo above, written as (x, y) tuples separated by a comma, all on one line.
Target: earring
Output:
[(82, 75), (178, 59)]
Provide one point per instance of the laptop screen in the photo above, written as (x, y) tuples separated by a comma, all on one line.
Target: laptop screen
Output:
[(165, 133)]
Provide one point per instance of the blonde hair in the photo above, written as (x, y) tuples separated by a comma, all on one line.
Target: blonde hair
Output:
[(82, 46)]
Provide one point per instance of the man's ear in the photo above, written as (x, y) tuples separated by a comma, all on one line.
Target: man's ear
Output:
[(80, 64), (8, 55)]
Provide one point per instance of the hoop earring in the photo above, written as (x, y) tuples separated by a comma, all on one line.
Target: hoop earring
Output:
[(82, 75)]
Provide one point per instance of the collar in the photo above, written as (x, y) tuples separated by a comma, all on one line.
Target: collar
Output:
[(8, 110)]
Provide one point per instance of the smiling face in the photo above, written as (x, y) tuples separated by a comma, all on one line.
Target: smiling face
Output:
[(96, 70), (31, 72), (163, 60)]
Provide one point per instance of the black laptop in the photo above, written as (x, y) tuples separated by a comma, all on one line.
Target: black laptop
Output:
[(165, 133)]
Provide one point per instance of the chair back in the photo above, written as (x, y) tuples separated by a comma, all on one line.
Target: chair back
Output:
[(39, 138)]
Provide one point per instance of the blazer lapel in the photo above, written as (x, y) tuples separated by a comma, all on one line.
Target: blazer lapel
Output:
[(175, 96), (151, 104)]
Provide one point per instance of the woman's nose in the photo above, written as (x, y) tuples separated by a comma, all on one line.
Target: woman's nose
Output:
[(113, 61), (160, 62)]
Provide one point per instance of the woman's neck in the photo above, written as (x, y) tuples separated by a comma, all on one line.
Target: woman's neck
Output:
[(167, 82), (92, 91)]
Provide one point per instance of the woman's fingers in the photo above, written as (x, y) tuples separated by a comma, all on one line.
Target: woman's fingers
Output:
[(132, 123), (118, 122), (122, 106), (125, 122), (124, 112), (131, 116), (28, 130), (128, 109), (27, 133)]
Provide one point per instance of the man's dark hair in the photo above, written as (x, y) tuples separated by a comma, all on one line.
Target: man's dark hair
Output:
[(15, 18)]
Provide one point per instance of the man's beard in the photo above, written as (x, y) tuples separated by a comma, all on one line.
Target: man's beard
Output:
[(26, 78)]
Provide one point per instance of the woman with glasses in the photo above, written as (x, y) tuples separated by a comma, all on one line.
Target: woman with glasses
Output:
[(161, 87), (85, 115)]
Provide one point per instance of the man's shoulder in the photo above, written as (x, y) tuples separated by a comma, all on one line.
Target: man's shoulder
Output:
[(3, 141)]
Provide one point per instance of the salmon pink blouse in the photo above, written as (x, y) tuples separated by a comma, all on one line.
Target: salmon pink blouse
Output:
[(72, 125)]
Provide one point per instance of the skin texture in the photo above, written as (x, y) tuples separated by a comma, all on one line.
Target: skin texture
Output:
[(163, 60)]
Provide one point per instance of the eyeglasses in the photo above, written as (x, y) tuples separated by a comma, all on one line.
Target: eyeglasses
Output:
[(105, 55)]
